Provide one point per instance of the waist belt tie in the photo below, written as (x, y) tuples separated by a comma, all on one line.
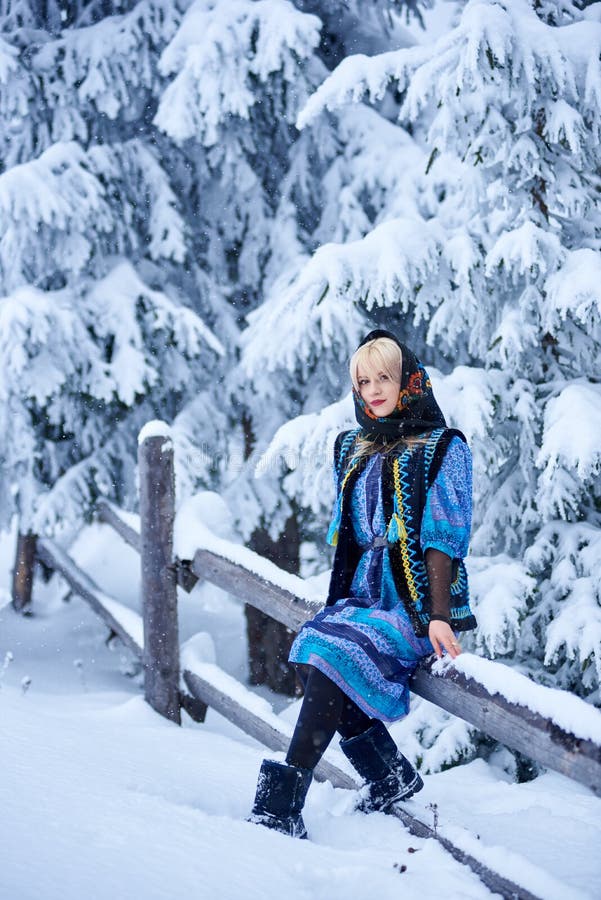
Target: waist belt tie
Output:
[(378, 542)]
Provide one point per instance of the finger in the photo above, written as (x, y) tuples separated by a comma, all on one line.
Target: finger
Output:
[(453, 648), (437, 647)]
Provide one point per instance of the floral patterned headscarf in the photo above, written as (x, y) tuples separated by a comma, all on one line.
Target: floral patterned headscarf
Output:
[(416, 412)]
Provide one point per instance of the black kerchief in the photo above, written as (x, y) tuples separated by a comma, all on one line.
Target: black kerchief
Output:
[(417, 410)]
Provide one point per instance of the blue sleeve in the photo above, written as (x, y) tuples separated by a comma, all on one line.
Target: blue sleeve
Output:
[(447, 517)]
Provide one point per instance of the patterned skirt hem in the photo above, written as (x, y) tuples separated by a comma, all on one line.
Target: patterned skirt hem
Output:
[(318, 662)]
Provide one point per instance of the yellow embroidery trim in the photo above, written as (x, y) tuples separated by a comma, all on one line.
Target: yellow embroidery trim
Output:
[(403, 533), (342, 487)]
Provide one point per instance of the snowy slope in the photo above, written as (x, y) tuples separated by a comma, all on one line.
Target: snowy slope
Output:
[(103, 799)]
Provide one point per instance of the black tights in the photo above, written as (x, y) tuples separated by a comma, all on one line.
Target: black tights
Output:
[(325, 710)]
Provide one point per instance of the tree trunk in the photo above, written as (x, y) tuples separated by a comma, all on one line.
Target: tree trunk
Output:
[(23, 573), (269, 641)]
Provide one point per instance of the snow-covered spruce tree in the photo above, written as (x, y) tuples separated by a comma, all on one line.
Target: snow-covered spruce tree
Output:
[(94, 336), (497, 264)]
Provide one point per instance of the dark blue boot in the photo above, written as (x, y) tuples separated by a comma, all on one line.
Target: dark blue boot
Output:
[(389, 775), (280, 797)]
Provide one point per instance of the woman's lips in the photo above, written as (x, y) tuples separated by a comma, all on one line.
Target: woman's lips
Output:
[(377, 402)]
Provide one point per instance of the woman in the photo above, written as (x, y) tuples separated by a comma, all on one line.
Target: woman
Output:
[(398, 589)]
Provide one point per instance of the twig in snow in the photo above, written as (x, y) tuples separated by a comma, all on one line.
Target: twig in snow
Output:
[(434, 808)]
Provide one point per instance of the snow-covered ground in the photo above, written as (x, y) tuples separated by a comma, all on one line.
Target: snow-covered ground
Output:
[(101, 798)]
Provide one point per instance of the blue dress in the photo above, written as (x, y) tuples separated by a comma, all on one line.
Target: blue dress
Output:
[(366, 643)]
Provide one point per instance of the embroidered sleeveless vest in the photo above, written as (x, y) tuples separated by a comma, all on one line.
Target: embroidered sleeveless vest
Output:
[(406, 479)]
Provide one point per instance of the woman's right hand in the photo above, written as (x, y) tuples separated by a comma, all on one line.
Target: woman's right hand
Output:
[(442, 637)]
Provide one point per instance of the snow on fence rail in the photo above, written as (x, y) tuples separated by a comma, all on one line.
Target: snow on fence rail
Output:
[(552, 727)]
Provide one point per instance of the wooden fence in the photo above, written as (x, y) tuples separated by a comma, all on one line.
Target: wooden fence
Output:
[(153, 638)]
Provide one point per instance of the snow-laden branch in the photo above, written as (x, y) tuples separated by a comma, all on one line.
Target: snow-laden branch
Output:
[(59, 211), (56, 189), (564, 446), (9, 64), (305, 445), (127, 312), (95, 61), (85, 363), (575, 290), (214, 61), (42, 343), (569, 605), (496, 45), (358, 77), (501, 589), (527, 249), (320, 305)]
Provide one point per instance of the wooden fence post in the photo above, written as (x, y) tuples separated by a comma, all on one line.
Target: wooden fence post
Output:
[(159, 585), (23, 572)]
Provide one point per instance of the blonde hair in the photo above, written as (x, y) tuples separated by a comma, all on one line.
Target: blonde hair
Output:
[(380, 355)]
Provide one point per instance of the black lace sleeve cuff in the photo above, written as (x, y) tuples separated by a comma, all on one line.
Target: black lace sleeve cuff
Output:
[(439, 567)]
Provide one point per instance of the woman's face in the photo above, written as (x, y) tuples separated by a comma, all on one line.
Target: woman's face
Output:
[(379, 390)]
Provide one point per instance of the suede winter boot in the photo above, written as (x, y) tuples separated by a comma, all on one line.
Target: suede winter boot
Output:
[(389, 775), (280, 797)]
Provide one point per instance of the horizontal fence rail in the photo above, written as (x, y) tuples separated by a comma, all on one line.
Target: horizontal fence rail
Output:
[(513, 724), (122, 621), (230, 699), (107, 513)]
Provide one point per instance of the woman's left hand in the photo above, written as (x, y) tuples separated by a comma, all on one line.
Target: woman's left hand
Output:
[(442, 637)]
